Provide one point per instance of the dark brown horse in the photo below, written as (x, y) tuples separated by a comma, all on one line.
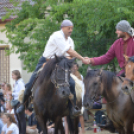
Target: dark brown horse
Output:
[(51, 92), (120, 108)]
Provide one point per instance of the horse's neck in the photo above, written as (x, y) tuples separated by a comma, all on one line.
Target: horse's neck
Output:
[(113, 93), (48, 88)]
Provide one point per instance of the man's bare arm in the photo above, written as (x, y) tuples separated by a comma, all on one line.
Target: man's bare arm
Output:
[(73, 53)]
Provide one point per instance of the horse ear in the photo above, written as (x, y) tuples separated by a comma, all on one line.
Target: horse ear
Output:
[(126, 57), (56, 57), (72, 60), (101, 70)]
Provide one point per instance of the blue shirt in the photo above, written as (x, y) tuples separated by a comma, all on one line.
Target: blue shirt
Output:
[(18, 86), (1, 125)]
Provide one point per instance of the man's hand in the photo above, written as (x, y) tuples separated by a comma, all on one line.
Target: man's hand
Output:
[(86, 60)]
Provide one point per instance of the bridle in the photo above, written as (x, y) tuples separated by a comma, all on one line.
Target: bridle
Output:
[(130, 82), (94, 98), (54, 78)]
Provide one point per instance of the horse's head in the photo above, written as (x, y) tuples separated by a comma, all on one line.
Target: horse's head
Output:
[(129, 74), (92, 83), (61, 75)]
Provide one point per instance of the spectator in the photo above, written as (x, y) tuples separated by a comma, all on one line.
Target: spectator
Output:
[(50, 128), (1, 124), (8, 90), (3, 87), (2, 103), (19, 84), (74, 71), (18, 87), (10, 127), (97, 104), (9, 107), (32, 122)]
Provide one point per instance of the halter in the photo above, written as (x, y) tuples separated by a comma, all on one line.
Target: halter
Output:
[(94, 98), (55, 79), (130, 82)]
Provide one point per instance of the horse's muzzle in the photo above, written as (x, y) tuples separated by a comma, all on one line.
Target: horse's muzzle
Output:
[(87, 104), (63, 92)]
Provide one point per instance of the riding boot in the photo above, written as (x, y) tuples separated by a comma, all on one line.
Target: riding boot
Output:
[(74, 110), (24, 104), (29, 85)]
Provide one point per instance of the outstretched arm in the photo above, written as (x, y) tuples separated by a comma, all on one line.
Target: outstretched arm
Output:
[(104, 59), (73, 53)]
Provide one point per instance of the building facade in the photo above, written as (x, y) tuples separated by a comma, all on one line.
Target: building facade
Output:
[(11, 62)]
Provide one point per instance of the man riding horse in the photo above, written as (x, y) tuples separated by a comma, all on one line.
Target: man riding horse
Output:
[(122, 46), (61, 44)]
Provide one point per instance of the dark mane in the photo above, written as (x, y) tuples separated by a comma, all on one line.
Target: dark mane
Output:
[(50, 66), (131, 59), (106, 77), (47, 70)]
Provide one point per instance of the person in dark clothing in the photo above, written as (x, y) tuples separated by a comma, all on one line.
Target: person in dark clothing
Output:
[(33, 126)]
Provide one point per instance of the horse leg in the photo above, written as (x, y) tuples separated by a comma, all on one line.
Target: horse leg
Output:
[(42, 123), (129, 128), (73, 124), (121, 131), (76, 122), (59, 126)]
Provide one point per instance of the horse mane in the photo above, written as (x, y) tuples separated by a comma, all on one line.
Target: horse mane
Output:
[(107, 77), (47, 70), (131, 59), (50, 66)]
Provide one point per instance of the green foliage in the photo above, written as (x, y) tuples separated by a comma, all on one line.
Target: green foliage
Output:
[(94, 26)]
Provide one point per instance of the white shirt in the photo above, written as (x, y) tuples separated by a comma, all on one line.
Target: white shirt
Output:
[(13, 127), (58, 44), (12, 111), (18, 86)]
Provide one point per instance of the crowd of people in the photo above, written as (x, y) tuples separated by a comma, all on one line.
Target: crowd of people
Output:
[(9, 99)]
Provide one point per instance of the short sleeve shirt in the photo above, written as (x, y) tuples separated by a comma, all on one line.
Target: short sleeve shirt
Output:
[(13, 127), (32, 120), (58, 44)]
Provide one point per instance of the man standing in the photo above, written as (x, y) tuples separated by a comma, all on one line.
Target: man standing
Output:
[(123, 45), (61, 44)]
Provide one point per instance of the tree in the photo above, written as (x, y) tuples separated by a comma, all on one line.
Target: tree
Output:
[(94, 26)]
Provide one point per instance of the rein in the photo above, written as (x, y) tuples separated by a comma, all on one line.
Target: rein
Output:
[(66, 78)]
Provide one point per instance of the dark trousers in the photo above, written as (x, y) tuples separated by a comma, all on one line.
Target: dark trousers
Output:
[(21, 120), (72, 90), (28, 86)]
